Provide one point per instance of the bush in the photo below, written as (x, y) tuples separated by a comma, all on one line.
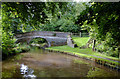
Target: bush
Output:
[(106, 49)]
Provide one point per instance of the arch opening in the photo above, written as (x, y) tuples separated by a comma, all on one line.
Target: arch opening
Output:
[(40, 42)]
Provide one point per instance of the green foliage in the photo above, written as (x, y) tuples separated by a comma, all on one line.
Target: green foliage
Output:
[(7, 44), (64, 20), (61, 25), (23, 17), (23, 47), (6, 74), (102, 21), (0, 30), (106, 49), (38, 41), (27, 16), (96, 72)]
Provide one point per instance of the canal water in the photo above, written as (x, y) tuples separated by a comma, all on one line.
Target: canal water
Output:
[(41, 63)]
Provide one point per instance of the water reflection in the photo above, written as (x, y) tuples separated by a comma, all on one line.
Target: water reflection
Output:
[(45, 64), (27, 72)]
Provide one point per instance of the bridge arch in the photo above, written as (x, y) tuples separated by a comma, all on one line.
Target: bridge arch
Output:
[(39, 40), (52, 38)]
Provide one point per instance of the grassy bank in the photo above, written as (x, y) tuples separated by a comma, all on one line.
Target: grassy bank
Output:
[(80, 41), (88, 53)]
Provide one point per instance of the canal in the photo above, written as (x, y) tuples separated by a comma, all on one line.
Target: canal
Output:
[(41, 63)]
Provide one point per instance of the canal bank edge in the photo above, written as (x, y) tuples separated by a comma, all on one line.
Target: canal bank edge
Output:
[(110, 64)]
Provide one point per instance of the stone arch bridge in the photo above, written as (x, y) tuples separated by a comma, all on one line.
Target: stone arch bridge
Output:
[(52, 38)]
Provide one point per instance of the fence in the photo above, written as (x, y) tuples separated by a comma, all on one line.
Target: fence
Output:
[(80, 34)]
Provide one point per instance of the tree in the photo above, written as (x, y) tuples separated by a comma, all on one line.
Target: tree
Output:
[(18, 17), (64, 20), (102, 20), (29, 13)]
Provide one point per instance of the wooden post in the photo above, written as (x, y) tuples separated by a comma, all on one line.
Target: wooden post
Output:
[(71, 34), (119, 52), (119, 55), (80, 34), (93, 48)]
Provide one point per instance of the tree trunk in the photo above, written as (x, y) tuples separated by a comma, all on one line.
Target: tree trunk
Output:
[(93, 48), (119, 52)]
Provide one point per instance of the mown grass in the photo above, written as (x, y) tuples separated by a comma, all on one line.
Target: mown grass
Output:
[(80, 41), (83, 53), (88, 52)]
